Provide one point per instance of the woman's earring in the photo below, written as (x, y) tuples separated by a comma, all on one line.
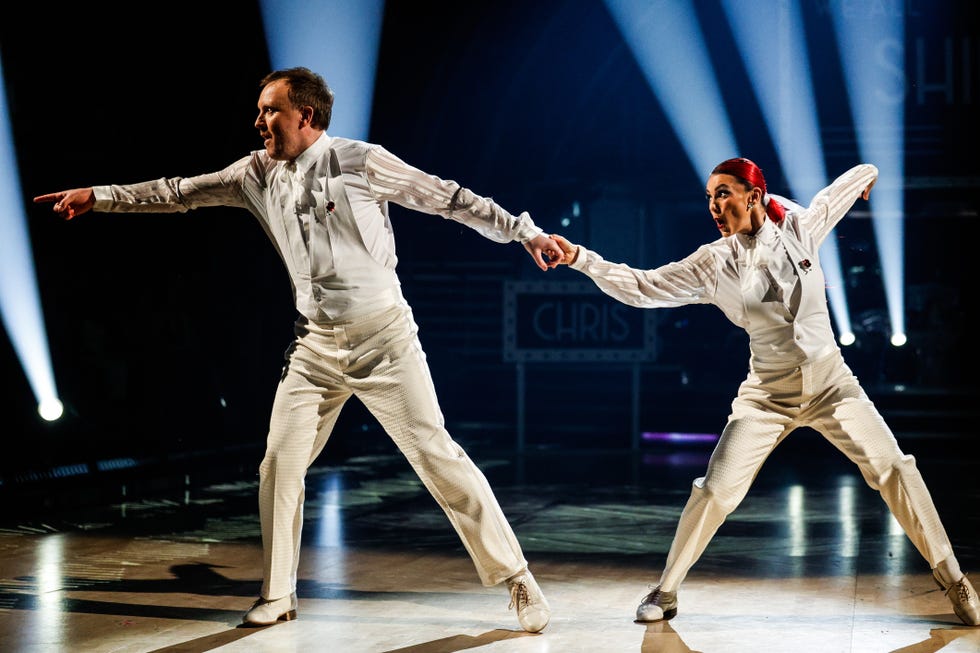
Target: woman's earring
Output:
[(751, 204)]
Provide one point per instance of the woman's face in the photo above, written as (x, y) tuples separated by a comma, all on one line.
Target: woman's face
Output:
[(728, 202)]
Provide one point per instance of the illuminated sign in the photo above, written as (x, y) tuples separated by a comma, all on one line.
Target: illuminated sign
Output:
[(545, 321)]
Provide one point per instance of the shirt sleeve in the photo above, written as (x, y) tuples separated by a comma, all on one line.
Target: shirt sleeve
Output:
[(393, 180), (175, 194), (692, 280), (832, 203)]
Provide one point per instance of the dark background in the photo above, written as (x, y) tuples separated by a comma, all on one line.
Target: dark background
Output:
[(167, 331)]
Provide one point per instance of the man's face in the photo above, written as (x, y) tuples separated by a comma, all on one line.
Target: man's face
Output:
[(279, 123)]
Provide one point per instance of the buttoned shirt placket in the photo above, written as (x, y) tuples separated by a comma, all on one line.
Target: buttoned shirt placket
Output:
[(299, 243)]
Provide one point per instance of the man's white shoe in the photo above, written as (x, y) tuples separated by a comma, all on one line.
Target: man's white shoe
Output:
[(265, 612), (533, 611)]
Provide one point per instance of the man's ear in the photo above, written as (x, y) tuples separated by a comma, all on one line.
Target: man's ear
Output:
[(307, 114)]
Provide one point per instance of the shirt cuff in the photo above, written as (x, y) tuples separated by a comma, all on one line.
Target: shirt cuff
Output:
[(103, 197), (526, 229)]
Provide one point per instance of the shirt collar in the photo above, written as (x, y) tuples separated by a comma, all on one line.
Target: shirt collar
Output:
[(766, 235), (310, 155)]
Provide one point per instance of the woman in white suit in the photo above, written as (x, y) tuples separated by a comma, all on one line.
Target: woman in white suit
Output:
[(764, 273)]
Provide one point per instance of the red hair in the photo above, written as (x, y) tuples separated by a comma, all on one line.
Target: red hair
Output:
[(750, 175)]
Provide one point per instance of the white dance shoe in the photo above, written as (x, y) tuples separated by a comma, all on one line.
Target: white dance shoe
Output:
[(657, 605), (533, 611), (265, 612), (963, 597)]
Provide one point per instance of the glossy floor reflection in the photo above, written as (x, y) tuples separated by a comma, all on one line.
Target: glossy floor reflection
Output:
[(810, 562)]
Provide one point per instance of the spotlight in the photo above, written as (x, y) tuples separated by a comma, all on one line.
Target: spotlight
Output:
[(898, 339), (50, 409)]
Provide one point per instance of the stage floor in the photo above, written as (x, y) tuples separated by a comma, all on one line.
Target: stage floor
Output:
[(810, 562)]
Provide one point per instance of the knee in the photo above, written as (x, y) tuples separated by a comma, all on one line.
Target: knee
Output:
[(900, 470), (273, 463), (722, 499), (265, 466), (906, 466)]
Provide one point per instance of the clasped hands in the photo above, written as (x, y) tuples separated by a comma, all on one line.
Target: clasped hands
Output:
[(550, 251)]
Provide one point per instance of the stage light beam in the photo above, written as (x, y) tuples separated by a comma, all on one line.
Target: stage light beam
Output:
[(871, 44), (668, 45), (338, 39), (20, 304), (780, 73)]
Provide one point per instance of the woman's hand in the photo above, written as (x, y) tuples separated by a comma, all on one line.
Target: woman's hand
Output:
[(569, 251), (544, 251), (867, 191)]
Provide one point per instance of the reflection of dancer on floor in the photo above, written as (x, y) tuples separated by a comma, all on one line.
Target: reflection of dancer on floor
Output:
[(323, 201), (765, 275)]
